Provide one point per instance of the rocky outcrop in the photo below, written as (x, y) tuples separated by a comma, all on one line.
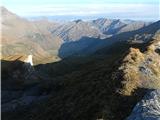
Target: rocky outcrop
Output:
[(140, 68), (148, 108), (149, 77)]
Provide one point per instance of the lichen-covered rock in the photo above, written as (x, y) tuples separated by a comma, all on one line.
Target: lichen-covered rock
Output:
[(148, 108)]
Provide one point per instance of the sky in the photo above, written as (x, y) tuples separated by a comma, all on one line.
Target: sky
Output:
[(148, 10)]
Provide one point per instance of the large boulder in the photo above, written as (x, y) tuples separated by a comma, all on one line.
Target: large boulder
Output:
[(148, 108)]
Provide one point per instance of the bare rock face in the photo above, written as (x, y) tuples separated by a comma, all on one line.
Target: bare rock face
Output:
[(148, 108)]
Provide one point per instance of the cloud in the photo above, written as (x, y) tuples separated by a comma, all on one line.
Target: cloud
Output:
[(111, 9)]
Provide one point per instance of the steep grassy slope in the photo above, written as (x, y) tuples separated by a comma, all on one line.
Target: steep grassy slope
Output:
[(93, 89), (20, 36), (140, 69)]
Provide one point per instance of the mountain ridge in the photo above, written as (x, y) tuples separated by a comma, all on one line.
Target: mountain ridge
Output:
[(92, 75), (48, 37)]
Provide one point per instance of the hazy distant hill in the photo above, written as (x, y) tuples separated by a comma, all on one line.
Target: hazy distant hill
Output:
[(115, 26), (20, 36), (50, 41), (73, 31)]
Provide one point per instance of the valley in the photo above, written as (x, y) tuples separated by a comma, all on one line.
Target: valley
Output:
[(82, 70)]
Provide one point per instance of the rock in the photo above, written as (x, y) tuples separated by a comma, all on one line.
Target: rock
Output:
[(148, 108)]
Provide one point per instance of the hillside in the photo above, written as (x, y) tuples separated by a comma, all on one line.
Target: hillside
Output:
[(74, 31), (105, 87), (20, 36), (82, 70), (89, 45), (140, 69), (116, 26), (51, 41)]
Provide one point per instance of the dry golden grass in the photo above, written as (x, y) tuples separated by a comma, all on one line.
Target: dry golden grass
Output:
[(129, 71), (131, 75), (14, 57)]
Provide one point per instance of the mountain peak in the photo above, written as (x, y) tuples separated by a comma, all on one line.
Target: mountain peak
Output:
[(77, 21), (6, 14), (4, 10)]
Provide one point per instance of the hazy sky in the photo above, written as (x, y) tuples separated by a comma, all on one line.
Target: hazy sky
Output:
[(122, 9)]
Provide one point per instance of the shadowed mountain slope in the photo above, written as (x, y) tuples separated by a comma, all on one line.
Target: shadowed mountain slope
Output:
[(89, 45), (99, 88), (46, 40), (96, 79)]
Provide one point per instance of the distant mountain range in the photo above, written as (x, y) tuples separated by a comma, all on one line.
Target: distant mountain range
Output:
[(46, 40), (104, 85), (83, 70)]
